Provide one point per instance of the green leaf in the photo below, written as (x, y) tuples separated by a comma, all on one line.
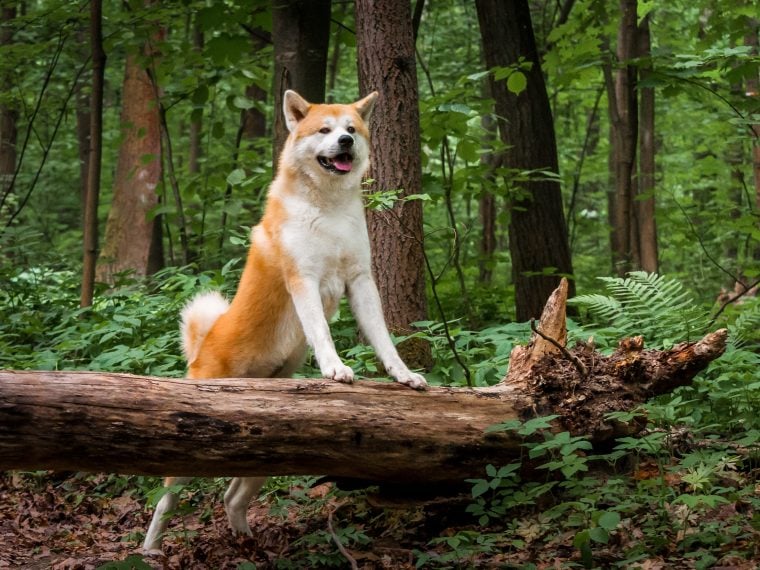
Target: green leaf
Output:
[(609, 520), (242, 102), (479, 488), (236, 177), (598, 534), (517, 82), (200, 95)]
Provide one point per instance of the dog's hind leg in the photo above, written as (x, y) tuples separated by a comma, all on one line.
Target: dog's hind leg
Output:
[(236, 499), (165, 506)]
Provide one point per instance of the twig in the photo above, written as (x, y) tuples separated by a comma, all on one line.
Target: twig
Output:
[(434, 290), (30, 127), (338, 543), (577, 362), (45, 152), (727, 302), (697, 235)]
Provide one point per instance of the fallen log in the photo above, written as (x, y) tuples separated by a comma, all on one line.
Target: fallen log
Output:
[(90, 421)]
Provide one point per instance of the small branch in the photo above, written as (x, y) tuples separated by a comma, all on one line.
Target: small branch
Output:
[(419, 7), (697, 235), (433, 288), (45, 151), (727, 302), (582, 370), (338, 543), (30, 127)]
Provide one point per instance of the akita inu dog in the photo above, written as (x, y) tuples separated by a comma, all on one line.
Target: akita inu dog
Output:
[(310, 248)]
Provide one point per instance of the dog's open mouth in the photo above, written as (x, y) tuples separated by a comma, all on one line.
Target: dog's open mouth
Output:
[(339, 164)]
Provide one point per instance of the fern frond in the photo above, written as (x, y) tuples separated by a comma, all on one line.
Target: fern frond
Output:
[(649, 304), (603, 308), (744, 329)]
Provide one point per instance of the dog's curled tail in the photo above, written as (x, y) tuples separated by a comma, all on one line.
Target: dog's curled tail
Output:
[(197, 318)]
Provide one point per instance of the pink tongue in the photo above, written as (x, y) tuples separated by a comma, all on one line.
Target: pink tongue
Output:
[(342, 165)]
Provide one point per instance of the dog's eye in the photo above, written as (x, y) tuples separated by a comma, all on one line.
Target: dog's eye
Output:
[(325, 130), (351, 130)]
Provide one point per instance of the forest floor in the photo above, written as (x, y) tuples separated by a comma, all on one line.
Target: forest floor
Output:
[(77, 522)]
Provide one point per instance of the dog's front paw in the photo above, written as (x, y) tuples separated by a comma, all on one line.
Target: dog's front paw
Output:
[(339, 372), (413, 380)]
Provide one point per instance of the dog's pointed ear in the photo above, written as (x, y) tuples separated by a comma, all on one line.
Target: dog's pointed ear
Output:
[(295, 108), (364, 106)]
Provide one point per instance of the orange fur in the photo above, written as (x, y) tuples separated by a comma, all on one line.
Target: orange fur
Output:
[(240, 340)]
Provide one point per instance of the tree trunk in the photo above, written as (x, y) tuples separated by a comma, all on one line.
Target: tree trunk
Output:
[(386, 60), (195, 148), (647, 226), (94, 154), (300, 35), (129, 229), (487, 203), (753, 90), (8, 113), (88, 421), (537, 230), (336, 44), (621, 94)]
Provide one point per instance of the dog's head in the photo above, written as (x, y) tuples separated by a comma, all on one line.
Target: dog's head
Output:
[(328, 140)]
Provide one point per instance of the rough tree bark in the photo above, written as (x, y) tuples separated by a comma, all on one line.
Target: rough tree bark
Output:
[(131, 235), (300, 36), (526, 127), (370, 430), (386, 60), (94, 156)]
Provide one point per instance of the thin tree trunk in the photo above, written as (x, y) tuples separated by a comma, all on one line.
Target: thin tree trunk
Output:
[(8, 113), (195, 150), (301, 35), (647, 226), (95, 154), (386, 59), (487, 204), (753, 90), (621, 94), (537, 230), (332, 68)]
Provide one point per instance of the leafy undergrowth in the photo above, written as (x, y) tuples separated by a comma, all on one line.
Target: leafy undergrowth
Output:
[(655, 517), (683, 495)]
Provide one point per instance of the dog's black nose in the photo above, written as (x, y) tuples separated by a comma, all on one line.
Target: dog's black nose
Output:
[(346, 141)]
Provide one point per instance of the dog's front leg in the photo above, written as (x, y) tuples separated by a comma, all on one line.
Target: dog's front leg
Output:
[(368, 310), (308, 304)]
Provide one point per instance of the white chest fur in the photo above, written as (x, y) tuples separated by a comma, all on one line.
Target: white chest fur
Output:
[(328, 244)]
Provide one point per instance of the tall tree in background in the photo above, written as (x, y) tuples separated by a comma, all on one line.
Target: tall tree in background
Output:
[(301, 35), (195, 150), (645, 204), (8, 112), (623, 112), (386, 59), (94, 155), (537, 229), (132, 238), (631, 113), (753, 91)]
